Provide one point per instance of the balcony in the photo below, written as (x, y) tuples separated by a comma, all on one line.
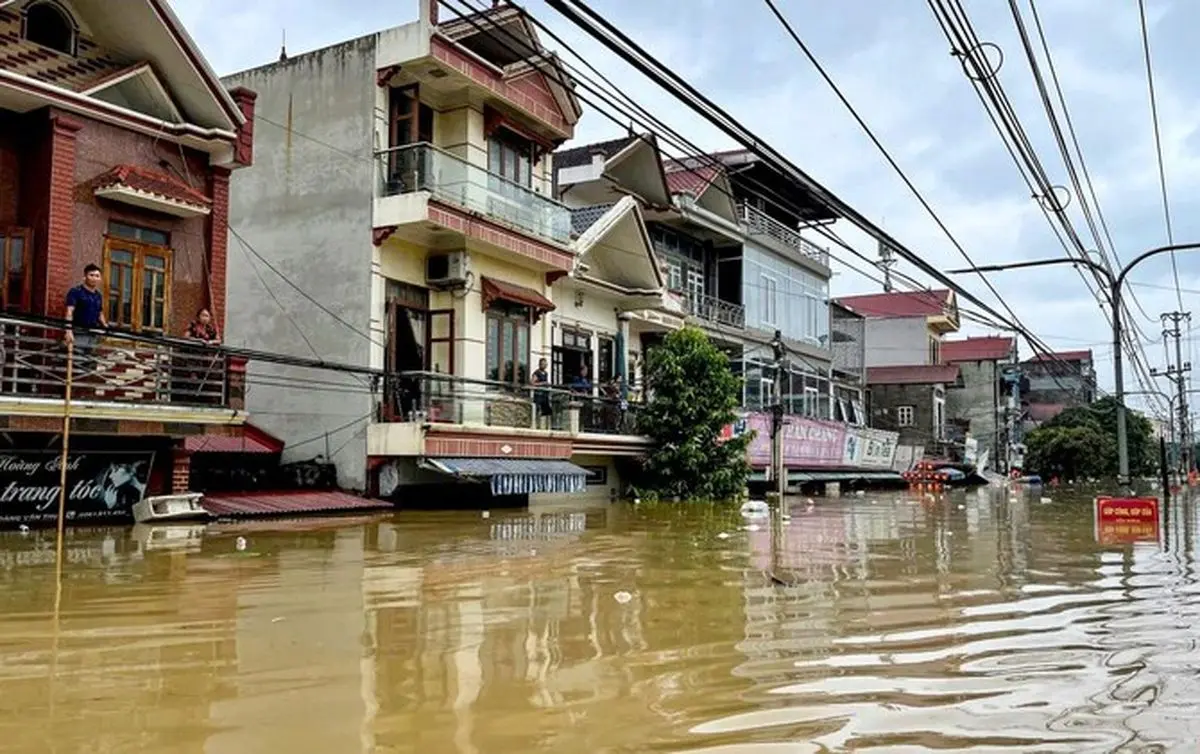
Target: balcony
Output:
[(454, 181), (716, 311), (434, 398), (760, 223), (116, 376)]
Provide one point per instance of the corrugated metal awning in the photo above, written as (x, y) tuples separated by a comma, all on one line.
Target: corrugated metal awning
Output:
[(514, 476), (233, 504)]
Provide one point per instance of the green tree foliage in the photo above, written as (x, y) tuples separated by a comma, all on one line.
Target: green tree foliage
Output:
[(694, 395), (1081, 442)]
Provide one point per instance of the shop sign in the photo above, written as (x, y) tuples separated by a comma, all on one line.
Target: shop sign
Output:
[(102, 486)]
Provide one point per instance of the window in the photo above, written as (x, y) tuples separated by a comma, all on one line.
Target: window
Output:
[(137, 266), (49, 25), (935, 351), (607, 371), (904, 416), (939, 418), (508, 343), (770, 300), (511, 157), (674, 276), (695, 284), (810, 401), (16, 293)]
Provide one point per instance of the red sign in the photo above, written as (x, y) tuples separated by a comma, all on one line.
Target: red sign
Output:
[(1126, 519)]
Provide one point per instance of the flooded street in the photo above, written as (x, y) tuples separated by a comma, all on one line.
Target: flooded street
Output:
[(888, 624)]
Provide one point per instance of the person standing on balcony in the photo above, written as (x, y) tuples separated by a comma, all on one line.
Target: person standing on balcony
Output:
[(202, 328), (200, 385), (85, 312), (541, 397)]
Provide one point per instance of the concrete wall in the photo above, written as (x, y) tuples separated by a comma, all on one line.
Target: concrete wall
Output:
[(885, 399), (977, 403), (305, 206), (897, 342)]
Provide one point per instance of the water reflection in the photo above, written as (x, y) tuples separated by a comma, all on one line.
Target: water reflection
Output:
[(965, 622)]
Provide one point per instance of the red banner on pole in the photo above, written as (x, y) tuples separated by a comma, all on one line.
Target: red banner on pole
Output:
[(1121, 520)]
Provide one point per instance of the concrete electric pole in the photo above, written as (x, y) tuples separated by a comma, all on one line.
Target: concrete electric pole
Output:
[(1178, 372)]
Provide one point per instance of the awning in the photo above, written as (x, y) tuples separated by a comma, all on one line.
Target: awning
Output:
[(237, 504), (498, 290), (251, 439), (150, 189), (514, 476)]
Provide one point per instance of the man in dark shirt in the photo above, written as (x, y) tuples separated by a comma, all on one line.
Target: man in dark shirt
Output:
[(85, 311)]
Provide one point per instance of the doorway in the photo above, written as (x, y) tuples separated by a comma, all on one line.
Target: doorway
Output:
[(420, 346), (574, 354)]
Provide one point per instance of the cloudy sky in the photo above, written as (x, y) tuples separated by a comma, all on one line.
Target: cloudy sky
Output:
[(893, 63)]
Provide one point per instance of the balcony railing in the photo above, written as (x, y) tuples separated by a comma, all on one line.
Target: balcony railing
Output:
[(714, 310), (451, 179), (444, 399), (760, 223), (111, 368)]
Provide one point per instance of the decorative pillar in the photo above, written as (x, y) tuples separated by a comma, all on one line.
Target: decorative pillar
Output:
[(60, 226), (218, 244), (622, 347), (181, 471)]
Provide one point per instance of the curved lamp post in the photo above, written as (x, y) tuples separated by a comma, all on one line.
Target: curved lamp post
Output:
[(1115, 283)]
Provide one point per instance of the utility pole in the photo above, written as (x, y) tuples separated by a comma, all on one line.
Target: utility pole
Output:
[(887, 260), (778, 465), (1178, 372)]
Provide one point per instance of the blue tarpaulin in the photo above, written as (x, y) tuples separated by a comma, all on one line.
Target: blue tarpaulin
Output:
[(514, 476)]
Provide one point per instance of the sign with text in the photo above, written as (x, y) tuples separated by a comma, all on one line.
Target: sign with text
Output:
[(1126, 519), (806, 442), (869, 448), (101, 485)]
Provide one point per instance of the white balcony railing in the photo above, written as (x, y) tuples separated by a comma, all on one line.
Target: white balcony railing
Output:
[(451, 179), (758, 222), (715, 310)]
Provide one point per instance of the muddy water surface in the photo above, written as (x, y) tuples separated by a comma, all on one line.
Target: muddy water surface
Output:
[(971, 623)]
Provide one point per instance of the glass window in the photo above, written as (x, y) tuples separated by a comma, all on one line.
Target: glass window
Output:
[(508, 344), (511, 157), (14, 264), (695, 283), (904, 416), (137, 266), (770, 295)]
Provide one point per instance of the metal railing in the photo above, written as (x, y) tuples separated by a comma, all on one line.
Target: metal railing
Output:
[(424, 167), (715, 310), (108, 367), (445, 399), (760, 223)]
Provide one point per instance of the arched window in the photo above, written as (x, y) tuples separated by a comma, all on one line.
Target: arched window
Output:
[(49, 25)]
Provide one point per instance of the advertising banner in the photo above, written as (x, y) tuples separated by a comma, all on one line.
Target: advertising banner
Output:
[(869, 448), (102, 486), (1122, 520), (806, 442)]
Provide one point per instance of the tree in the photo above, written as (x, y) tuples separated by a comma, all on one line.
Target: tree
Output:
[(694, 396), (1082, 442)]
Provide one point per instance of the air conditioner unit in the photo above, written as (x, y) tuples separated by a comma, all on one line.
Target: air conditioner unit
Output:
[(447, 269)]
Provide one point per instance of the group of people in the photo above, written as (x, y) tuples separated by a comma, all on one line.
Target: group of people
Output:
[(85, 315), (580, 384)]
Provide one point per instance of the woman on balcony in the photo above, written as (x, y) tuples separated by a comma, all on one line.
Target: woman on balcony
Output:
[(202, 369)]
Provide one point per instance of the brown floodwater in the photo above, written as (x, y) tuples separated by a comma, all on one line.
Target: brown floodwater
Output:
[(973, 622)]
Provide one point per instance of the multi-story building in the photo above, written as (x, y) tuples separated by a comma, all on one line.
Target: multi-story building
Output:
[(849, 346), (116, 146), (1055, 382), (907, 378), (405, 183), (980, 407)]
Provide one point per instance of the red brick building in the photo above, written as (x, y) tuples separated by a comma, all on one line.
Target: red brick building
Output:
[(117, 142)]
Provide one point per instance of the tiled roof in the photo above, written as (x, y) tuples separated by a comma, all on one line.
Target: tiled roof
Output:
[(1041, 412), (585, 217), (916, 374), (237, 504), (152, 182), (898, 304), (986, 348), (689, 180), (1063, 356), (569, 158)]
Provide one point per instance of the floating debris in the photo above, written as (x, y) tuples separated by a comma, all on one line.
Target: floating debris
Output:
[(623, 597), (240, 544)]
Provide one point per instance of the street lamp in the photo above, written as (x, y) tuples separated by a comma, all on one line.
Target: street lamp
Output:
[(1115, 282)]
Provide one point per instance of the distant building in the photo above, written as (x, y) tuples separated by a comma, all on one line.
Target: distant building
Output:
[(905, 328), (1056, 382), (911, 400), (979, 407)]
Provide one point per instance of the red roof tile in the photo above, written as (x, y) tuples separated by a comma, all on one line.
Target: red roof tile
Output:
[(1064, 356), (1041, 412), (915, 374), (899, 304), (152, 182), (690, 180), (986, 348), (237, 504), (251, 440)]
